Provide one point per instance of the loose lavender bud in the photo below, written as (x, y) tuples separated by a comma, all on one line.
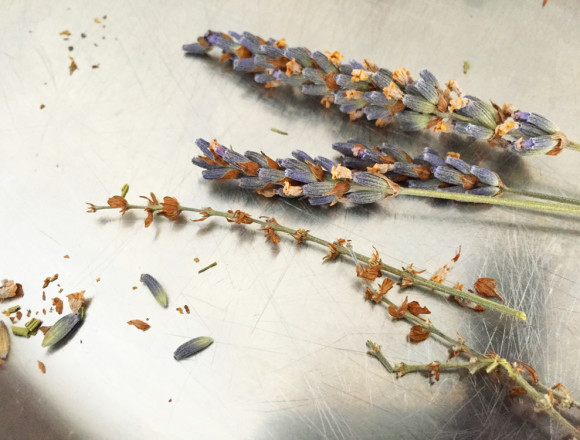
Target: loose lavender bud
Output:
[(60, 329), (195, 49), (485, 176), (192, 347), (155, 288)]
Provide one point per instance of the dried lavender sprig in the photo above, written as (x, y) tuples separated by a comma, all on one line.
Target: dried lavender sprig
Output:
[(364, 89), (340, 249), (323, 181)]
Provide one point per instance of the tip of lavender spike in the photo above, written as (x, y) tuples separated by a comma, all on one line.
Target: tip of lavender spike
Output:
[(194, 49)]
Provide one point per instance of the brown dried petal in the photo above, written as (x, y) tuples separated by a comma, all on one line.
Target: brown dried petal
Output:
[(416, 309), (300, 235), (370, 273), (239, 217), (316, 170), (139, 324), (398, 312), (41, 367), (58, 305), (418, 334), (522, 366), (170, 208), (118, 202), (76, 300), (386, 285), (270, 234), (250, 168), (487, 287), (517, 391), (332, 253), (468, 181)]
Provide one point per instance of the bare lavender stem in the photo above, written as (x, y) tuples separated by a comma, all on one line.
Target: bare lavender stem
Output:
[(479, 363), (536, 195), (343, 250)]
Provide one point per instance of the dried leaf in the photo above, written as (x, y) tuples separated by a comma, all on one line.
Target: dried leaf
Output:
[(141, 325), (192, 347), (487, 287), (400, 312), (418, 334), (415, 309)]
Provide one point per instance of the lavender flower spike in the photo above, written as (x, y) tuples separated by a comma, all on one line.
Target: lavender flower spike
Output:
[(363, 89)]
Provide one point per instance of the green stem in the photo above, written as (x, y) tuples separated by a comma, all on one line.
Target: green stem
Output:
[(575, 146), (542, 196), (460, 197)]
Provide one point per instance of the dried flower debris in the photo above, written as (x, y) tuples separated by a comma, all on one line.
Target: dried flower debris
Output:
[(418, 334), (72, 66), (442, 272), (76, 301), (49, 280), (4, 341), (41, 367), (487, 287), (141, 325), (58, 305), (10, 289), (209, 266)]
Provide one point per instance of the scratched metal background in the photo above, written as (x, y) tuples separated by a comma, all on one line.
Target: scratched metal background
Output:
[(289, 358)]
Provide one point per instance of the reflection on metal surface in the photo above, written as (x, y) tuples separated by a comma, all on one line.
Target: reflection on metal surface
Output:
[(289, 354)]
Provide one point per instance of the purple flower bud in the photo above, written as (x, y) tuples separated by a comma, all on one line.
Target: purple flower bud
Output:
[(423, 89), (394, 151), (370, 155), (530, 130), (203, 164), (262, 78), (488, 191), (382, 78), (370, 180), (271, 176), (195, 49), (354, 104), (429, 78), (480, 111), (313, 75), (355, 163), (533, 146), (345, 81), (431, 184), (220, 150), (233, 158), (261, 61), (376, 98), (365, 197), (215, 173), (448, 175), (258, 158), (344, 147), (458, 164), (235, 35), (433, 159), (412, 121), (485, 176), (355, 64), (374, 112), (302, 156), (323, 200), (294, 80), (543, 123), (300, 175), (271, 51), (325, 163), (476, 131), (323, 62), (250, 42), (203, 145), (521, 116), (252, 183), (300, 54), (244, 64), (290, 162), (315, 89), (317, 189), (406, 169)]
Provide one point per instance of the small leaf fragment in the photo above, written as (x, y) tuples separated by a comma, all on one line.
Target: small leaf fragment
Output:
[(141, 325), (41, 367), (155, 288), (60, 329), (192, 347)]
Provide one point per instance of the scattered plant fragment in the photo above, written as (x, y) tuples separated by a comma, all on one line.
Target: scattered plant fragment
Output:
[(61, 328), (155, 288), (141, 325), (192, 347)]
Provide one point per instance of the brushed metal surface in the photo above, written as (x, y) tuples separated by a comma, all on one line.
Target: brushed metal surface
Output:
[(289, 354)]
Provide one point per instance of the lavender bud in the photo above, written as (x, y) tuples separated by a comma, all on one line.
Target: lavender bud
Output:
[(480, 111), (370, 155), (323, 200), (221, 42), (375, 112), (354, 104), (215, 173), (317, 189), (244, 64), (235, 35), (195, 49), (203, 145), (155, 288), (355, 64), (203, 164), (346, 69), (476, 131), (258, 158), (485, 176), (356, 163), (394, 151), (300, 175), (315, 89), (406, 169), (302, 156), (376, 98), (521, 116), (433, 159), (294, 80), (530, 130), (424, 89), (382, 78), (60, 329), (448, 175), (271, 51), (543, 123), (233, 158), (488, 191), (412, 121), (534, 146), (251, 42), (261, 61), (252, 183), (458, 164), (365, 197), (322, 61), (428, 77), (313, 75), (344, 147), (370, 180), (452, 189), (300, 54), (325, 163), (345, 82), (290, 162), (220, 150), (271, 176), (192, 347)]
